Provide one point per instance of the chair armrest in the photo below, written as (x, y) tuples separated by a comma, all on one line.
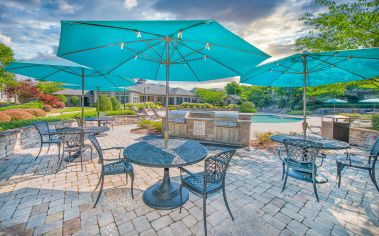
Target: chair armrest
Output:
[(112, 148), (114, 159), (280, 150), (185, 170)]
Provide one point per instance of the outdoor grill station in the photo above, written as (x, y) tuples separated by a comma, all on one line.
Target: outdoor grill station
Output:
[(335, 127)]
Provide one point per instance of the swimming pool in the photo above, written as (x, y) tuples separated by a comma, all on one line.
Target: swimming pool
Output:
[(274, 119)]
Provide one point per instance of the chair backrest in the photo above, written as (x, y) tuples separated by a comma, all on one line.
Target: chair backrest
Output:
[(42, 127), (375, 149), (78, 121), (215, 166), (72, 137), (301, 153), (96, 144)]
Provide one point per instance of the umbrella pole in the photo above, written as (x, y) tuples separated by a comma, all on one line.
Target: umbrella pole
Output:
[(305, 97), (124, 100), (98, 102), (166, 128), (82, 97)]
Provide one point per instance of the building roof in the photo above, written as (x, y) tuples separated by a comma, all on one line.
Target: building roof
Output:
[(160, 90), (72, 92)]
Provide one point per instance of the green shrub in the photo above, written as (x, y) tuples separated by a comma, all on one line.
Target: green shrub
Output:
[(144, 105), (264, 138), (120, 112), (151, 125), (298, 112), (25, 105), (74, 100), (19, 114), (116, 105), (375, 122), (247, 107), (104, 103), (62, 98)]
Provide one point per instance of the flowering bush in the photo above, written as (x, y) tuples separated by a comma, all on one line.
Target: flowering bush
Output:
[(25, 91), (19, 114), (59, 105), (47, 108), (35, 112), (4, 117), (49, 99)]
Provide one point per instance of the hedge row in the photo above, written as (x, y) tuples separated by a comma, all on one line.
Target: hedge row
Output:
[(25, 105)]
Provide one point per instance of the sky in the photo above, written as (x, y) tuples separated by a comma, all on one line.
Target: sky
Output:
[(32, 27)]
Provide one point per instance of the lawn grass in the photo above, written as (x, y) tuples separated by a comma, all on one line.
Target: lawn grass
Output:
[(71, 109)]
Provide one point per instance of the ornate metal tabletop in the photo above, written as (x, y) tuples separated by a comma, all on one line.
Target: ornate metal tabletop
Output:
[(165, 194), (87, 130), (327, 144), (99, 119)]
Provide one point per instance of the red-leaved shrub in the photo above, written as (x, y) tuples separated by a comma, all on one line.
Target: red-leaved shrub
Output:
[(18, 114), (48, 99), (47, 108), (4, 117), (59, 105), (35, 112)]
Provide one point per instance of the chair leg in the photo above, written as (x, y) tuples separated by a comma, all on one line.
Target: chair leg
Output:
[(39, 152), (181, 197), (285, 180), (372, 175), (205, 212), (97, 185), (339, 170), (283, 165), (314, 187), (91, 152), (226, 202), (126, 177), (132, 180), (101, 190), (48, 149), (81, 159)]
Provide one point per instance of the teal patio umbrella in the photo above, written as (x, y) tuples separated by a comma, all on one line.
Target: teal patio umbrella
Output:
[(371, 100), (66, 72), (334, 101), (177, 50), (313, 69)]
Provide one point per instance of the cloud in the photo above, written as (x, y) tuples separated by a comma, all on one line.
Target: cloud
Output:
[(242, 11), (129, 4), (5, 39)]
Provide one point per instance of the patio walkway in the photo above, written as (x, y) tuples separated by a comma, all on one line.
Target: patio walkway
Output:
[(35, 201)]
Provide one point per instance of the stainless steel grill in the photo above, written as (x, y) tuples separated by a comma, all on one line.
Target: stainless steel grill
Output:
[(226, 119), (177, 116)]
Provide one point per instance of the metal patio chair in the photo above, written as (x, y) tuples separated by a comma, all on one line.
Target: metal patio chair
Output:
[(300, 162), (210, 181), (73, 142), (351, 162), (117, 166), (47, 136)]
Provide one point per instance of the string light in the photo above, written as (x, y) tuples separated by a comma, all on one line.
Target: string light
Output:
[(122, 45), (135, 57), (180, 34), (208, 46), (139, 35), (205, 57)]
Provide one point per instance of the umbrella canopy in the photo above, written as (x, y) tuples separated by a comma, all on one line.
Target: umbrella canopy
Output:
[(184, 50), (371, 100), (335, 100), (313, 69), (66, 72)]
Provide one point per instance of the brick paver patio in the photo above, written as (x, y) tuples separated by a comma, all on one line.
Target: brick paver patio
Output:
[(36, 201)]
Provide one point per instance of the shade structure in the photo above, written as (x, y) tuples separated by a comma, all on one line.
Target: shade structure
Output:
[(67, 72), (334, 101), (184, 50), (313, 69), (371, 100)]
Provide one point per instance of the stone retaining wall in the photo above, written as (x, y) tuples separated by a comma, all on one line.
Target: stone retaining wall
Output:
[(363, 137), (14, 140)]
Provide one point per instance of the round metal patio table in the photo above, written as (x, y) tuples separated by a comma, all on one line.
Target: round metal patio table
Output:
[(327, 144), (100, 119), (165, 194)]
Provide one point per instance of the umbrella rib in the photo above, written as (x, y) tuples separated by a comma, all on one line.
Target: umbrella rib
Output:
[(212, 59), (57, 71), (152, 48), (159, 64), (104, 46), (222, 46), (152, 58), (324, 68), (282, 73), (22, 67), (192, 26), (189, 66), (128, 59), (370, 58), (115, 27), (340, 68)]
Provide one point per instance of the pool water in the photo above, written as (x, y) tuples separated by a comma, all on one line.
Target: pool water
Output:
[(274, 119)]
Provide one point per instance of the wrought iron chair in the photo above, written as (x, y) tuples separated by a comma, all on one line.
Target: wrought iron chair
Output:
[(348, 161), (73, 142), (47, 136), (211, 180), (301, 161), (118, 166)]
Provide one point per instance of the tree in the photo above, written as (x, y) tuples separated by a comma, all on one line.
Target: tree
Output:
[(74, 100), (6, 57), (343, 26), (104, 103), (49, 87), (259, 95), (210, 95), (25, 91), (233, 88), (62, 98), (116, 105)]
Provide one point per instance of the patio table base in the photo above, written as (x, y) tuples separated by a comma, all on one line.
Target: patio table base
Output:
[(165, 195)]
